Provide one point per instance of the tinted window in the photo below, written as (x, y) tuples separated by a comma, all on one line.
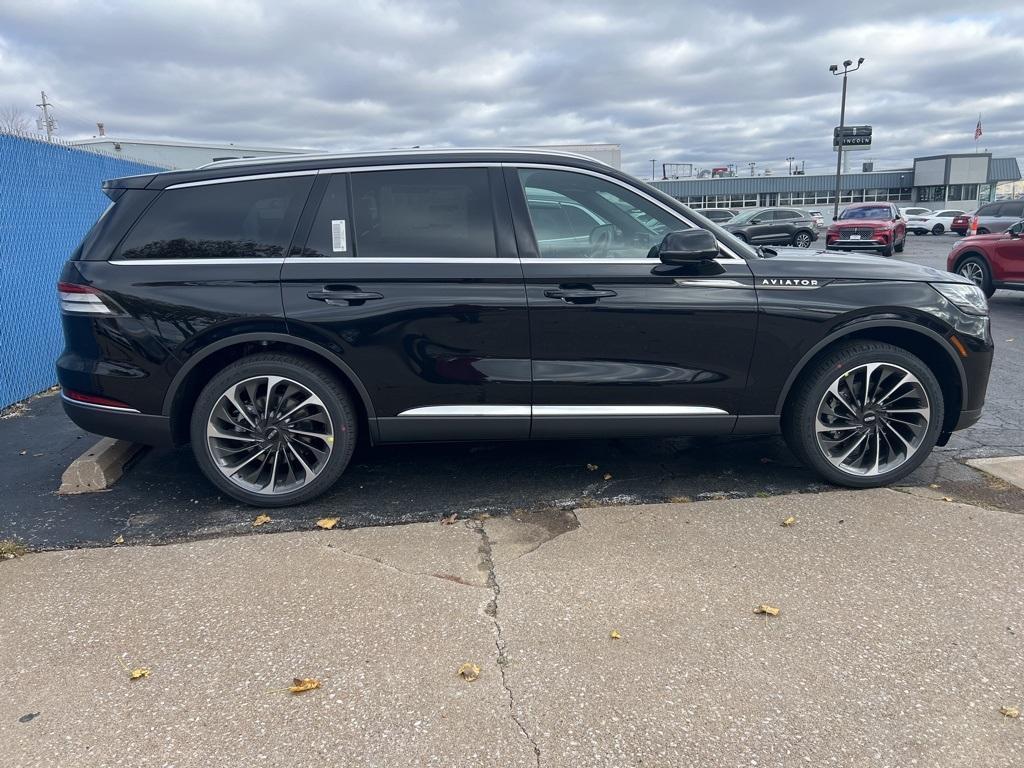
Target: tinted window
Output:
[(582, 222), (1016, 210), (330, 235), (992, 209), (623, 225), (241, 219), (784, 215), (550, 221), (867, 212), (437, 213)]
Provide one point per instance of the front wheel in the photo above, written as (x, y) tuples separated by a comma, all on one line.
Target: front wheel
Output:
[(802, 239), (273, 430), (865, 415), (887, 251), (901, 245), (975, 269), (938, 229)]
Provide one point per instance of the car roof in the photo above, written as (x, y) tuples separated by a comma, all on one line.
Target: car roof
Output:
[(284, 164)]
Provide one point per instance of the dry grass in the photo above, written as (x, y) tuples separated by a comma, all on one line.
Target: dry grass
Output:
[(10, 549)]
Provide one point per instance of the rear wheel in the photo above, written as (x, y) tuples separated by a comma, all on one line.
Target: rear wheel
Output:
[(802, 239), (273, 430), (742, 238), (865, 415), (938, 229), (975, 269)]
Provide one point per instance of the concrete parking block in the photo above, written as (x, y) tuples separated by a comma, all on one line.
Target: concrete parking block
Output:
[(99, 467), (1008, 468)]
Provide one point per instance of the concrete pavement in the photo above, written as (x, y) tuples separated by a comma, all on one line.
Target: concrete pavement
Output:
[(900, 637)]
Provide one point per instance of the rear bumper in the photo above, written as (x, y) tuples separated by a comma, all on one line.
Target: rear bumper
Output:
[(123, 424)]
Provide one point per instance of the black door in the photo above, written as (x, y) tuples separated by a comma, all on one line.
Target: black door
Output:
[(623, 344), (412, 278)]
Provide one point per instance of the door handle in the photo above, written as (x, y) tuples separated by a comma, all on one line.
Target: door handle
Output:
[(344, 298), (578, 295)]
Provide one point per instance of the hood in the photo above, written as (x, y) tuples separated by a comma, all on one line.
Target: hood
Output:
[(980, 238), (804, 263), (862, 223)]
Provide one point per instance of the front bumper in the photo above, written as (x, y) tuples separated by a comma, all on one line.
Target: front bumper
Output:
[(863, 245), (121, 423)]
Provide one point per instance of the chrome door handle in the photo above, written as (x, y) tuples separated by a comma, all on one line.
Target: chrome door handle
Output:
[(578, 295), (343, 298)]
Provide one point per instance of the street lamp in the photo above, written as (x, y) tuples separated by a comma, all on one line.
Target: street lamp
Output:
[(790, 161), (752, 166), (847, 69)]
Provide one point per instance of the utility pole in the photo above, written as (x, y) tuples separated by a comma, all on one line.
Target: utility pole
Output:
[(752, 168), (834, 69), (47, 121), (653, 177), (790, 161)]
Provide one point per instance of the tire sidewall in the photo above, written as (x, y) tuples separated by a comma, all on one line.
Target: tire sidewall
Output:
[(319, 382), (986, 281), (821, 380)]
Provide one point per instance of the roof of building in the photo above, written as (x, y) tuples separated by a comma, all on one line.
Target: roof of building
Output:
[(189, 144)]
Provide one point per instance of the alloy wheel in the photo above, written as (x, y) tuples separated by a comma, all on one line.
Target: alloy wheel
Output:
[(270, 435), (872, 419), (973, 272), (803, 240)]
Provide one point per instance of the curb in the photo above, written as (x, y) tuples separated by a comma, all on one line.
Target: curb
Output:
[(99, 467), (1008, 468)]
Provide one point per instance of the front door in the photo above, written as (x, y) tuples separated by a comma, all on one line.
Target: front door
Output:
[(411, 277), (623, 344)]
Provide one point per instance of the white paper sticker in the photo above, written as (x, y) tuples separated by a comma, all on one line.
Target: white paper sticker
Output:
[(338, 244)]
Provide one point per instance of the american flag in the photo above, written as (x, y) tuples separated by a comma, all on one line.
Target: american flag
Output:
[(977, 130)]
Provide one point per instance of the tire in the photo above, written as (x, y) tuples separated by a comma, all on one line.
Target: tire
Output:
[(901, 245), (330, 412), (845, 365), (938, 229), (887, 251), (802, 239), (975, 269)]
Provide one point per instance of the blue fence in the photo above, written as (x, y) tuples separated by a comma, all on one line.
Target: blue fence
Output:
[(49, 198)]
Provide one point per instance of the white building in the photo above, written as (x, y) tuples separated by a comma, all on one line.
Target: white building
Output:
[(177, 154)]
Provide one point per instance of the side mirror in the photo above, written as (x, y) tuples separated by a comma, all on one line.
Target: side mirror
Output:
[(835, 218), (687, 247)]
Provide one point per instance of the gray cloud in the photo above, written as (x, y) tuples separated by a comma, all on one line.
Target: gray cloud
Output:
[(734, 82)]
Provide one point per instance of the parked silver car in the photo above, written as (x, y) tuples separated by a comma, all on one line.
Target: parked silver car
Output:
[(997, 217)]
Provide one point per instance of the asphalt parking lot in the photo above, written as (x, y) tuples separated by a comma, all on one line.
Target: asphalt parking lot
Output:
[(163, 497)]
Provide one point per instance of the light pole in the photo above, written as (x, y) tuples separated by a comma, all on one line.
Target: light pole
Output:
[(790, 161), (653, 162), (752, 168), (847, 69)]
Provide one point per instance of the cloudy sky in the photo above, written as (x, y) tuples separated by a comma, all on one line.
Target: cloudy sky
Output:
[(707, 83)]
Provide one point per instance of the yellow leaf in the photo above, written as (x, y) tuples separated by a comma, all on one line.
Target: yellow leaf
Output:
[(302, 684), (933, 485), (614, 635), (591, 467), (261, 520), (450, 519), (1009, 711), (607, 475), (119, 540), (946, 498), (327, 523), (138, 672), (469, 671), (788, 521), (769, 610)]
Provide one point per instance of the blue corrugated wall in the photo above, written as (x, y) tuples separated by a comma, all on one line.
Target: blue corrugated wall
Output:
[(49, 198)]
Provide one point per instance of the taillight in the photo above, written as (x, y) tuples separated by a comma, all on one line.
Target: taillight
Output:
[(105, 402), (78, 299)]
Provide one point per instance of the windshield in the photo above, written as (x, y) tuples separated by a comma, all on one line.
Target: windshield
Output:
[(868, 212), (745, 216)]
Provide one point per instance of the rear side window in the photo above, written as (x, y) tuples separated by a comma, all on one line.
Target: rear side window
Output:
[(235, 220), (330, 233), (1016, 210), (989, 210), (432, 213)]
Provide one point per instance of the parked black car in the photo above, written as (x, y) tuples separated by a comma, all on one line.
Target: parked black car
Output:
[(774, 226), (717, 215), (271, 311)]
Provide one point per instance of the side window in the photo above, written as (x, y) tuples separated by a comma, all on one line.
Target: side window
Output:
[(330, 235), (608, 220), (989, 210), (428, 212), (234, 220), (549, 220), (785, 215), (1014, 209)]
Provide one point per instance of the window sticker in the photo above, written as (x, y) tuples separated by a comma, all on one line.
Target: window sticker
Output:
[(338, 243)]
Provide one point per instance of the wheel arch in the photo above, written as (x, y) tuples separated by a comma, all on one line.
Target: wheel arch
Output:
[(969, 252), (922, 342), (187, 382)]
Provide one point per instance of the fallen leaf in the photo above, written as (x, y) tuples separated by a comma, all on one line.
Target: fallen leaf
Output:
[(261, 520), (788, 521), (946, 498), (1009, 711), (469, 671), (607, 476), (592, 467), (302, 684), (138, 673), (933, 485), (614, 635), (450, 519), (327, 523), (119, 540), (769, 610), (482, 516)]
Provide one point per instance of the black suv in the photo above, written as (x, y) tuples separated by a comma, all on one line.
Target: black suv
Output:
[(269, 311), (774, 226)]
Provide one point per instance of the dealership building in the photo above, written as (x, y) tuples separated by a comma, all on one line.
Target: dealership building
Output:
[(939, 181)]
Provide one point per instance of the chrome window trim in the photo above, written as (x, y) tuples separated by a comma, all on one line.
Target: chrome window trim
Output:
[(191, 262), (675, 214), (396, 153), (232, 179), (580, 411), (406, 167), (98, 406), (396, 260)]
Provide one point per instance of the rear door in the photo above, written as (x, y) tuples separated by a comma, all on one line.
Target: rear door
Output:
[(623, 344), (410, 275)]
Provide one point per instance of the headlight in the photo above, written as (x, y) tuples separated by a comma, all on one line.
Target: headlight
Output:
[(968, 298)]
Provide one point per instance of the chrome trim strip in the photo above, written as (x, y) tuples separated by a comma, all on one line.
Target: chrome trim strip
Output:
[(469, 410), (97, 406), (179, 262), (634, 190), (394, 153), (84, 308), (393, 260), (565, 410), (713, 282), (80, 298), (407, 167), (627, 410), (230, 179)]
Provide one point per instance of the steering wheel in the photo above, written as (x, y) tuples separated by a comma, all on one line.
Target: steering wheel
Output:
[(601, 241)]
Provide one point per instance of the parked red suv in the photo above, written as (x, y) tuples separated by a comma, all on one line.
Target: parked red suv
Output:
[(868, 227), (991, 261)]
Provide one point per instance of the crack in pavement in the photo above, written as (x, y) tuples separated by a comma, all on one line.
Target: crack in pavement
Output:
[(487, 562), (416, 574)]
